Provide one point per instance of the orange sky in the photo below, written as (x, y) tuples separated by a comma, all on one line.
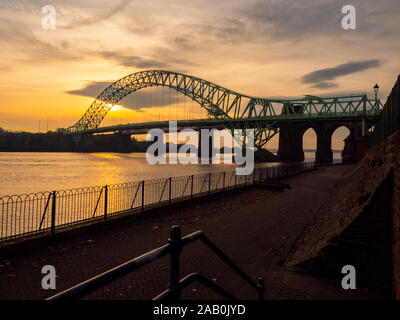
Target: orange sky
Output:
[(260, 48)]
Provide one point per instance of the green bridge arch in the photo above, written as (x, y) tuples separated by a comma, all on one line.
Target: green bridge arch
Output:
[(239, 110), (218, 101)]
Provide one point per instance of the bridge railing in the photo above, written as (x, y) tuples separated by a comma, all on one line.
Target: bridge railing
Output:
[(47, 212), (389, 119)]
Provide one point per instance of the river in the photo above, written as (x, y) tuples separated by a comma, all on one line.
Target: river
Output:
[(29, 172)]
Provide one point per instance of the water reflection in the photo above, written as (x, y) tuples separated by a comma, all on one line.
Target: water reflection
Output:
[(33, 172)]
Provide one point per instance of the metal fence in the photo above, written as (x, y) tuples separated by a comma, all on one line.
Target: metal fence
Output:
[(27, 214), (389, 119)]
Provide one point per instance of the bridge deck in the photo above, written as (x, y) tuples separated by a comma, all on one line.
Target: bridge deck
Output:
[(239, 123)]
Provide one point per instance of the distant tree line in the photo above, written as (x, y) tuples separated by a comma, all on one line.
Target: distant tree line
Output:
[(60, 142)]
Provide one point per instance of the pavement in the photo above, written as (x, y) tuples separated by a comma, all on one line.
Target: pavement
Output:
[(256, 228)]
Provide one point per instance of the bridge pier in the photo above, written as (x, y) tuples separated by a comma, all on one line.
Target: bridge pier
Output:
[(291, 143), (324, 146), (355, 145)]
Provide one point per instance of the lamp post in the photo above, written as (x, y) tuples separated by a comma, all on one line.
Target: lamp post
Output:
[(376, 89)]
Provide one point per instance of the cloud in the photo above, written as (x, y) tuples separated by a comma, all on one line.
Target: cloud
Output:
[(23, 42), (98, 18), (324, 85), (229, 30), (91, 89), (132, 61), (151, 97), (320, 78), (299, 20), (184, 42), (211, 32), (294, 19)]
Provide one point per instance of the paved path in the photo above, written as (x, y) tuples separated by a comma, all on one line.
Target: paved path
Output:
[(256, 228)]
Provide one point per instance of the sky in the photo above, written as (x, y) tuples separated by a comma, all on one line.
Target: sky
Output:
[(271, 48)]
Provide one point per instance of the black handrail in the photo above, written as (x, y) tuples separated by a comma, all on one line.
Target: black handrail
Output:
[(175, 286)]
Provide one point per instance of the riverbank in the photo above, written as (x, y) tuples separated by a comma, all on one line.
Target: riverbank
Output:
[(257, 228)]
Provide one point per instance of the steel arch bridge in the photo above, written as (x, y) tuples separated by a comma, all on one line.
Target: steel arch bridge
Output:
[(234, 110)]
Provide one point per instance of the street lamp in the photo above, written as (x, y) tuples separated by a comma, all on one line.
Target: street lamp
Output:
[(376, 89)]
